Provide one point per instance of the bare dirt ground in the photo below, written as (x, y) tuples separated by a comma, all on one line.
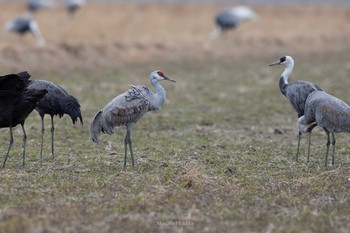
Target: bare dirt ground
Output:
[(110, 34)]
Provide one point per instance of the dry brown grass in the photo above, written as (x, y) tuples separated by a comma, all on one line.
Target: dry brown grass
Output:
[(110, 35)]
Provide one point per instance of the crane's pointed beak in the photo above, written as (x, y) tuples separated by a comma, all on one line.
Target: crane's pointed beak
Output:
[(275, 63), (169, 79)]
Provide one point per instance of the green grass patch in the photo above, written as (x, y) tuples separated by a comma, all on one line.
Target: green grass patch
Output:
[(220, 156)]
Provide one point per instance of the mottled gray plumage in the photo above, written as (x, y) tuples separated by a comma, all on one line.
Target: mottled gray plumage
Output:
[(231, 18), (327, 111), (127, 108), (16, 103), (56, 102), (23, 25), (296, 92)]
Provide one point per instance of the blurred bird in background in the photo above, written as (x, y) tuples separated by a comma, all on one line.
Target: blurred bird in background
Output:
[(23, 25), (231, 18), (73, 5), (35, 6)]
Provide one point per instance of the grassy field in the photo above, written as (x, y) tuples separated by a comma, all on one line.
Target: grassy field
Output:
[(218, 157)]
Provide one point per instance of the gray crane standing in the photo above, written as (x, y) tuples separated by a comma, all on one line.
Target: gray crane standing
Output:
[(23, 25), (126, 109), (296, 92), (327, 111), (16, 103), (231, 18), (56, 102)]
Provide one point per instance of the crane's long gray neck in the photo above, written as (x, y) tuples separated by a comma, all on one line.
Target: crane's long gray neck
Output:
[(159, 96), (284, 77)]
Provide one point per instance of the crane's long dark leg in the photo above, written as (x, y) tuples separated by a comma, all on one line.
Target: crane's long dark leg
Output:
[(24, 144), (42, 138), (132, 154), (125, 148), (129, 128), (299, 136), (333, 143), (308, 148), (9, 148), (126, 141), (328, 143), (52, 138)]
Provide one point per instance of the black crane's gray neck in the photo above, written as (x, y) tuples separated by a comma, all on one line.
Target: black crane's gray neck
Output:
[(283, 85), (284, 77)]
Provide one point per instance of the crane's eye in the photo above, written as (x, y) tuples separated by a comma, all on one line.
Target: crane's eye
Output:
[(160, 73), (282, 59)]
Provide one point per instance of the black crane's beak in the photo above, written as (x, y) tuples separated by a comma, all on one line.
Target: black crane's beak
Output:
[(275, 63), (169, 79)]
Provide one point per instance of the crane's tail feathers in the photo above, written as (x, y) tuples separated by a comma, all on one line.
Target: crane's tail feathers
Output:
[(72, 108), (96, 127), (24, 75), (100, 125)]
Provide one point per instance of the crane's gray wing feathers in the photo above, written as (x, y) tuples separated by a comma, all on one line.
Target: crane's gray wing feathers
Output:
[(124, 109), (131, 114), (298, 92), (128, 107), (328, 111), (333, 114)]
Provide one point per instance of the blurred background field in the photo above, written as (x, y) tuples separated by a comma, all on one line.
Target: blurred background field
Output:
[(219, 155), (113, 34)]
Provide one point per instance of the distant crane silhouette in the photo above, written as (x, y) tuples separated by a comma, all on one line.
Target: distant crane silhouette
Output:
[(56, 102), (23, 25), (73, 5), (16, 103), (127, 108), (296, 92), (327, 111), (230, 18), (37, 5)]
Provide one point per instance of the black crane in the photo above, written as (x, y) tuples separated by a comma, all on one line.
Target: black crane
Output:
[(56, 102), (296, 92), (16, 103)]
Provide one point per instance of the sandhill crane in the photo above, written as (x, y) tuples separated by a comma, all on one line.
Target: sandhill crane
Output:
[(16, 103), (37, 5), (56, 102), (126, 109), (73, 5), (231, 18), (296, 92), (327, 111), (23, 25)]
